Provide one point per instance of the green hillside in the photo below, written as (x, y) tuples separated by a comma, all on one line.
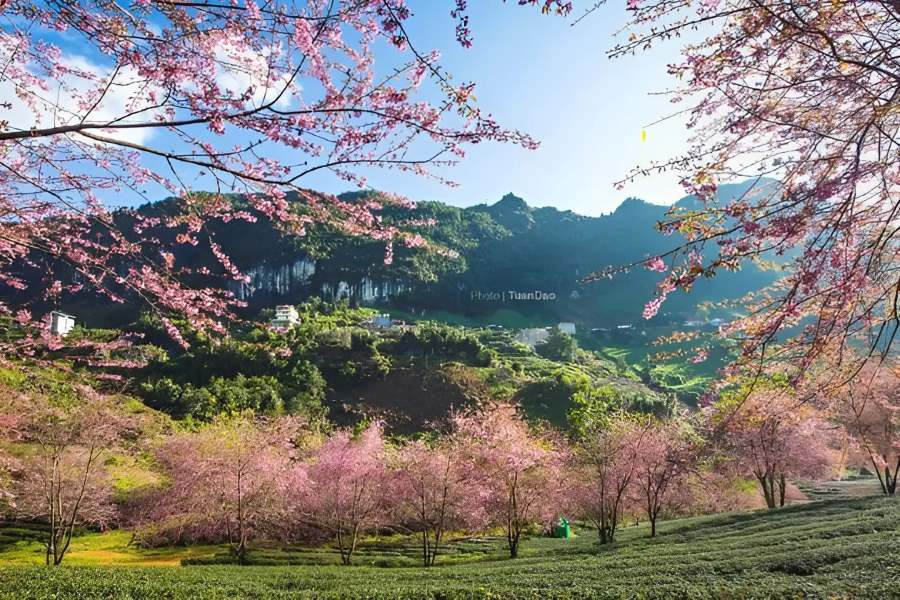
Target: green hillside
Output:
[(831, 549), (335, 364)]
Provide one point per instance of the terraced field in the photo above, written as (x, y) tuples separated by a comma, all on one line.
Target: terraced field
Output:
[(826, 549)]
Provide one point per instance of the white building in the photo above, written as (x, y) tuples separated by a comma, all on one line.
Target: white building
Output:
[(61, 323), (532, 336), (286, 316), (567, 328)]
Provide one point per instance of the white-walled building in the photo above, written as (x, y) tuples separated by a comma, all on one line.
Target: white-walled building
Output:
[(566, 327), (532, 336), (61, 323), (286, 316)]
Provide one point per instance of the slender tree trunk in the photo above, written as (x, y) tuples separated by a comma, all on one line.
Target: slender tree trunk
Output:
[(345, 557), (652, 509), (514, 543), (52, 497), (782, 489), (881, 478), (890, 480), (603, 513), (353, 541), (438, 535), (512, 520), (768, 492), (242, 535), (612, 522)]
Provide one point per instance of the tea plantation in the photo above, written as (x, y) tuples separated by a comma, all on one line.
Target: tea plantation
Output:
[(829, 549)]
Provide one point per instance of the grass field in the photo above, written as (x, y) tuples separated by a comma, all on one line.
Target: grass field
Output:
[(828, 549)]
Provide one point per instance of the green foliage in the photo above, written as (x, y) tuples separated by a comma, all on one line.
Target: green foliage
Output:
[(263, 394), (335, 353), (677, 379), (559, 346), (295, 371), (551, 397), (734, 395), (430, 339), (593, 405)]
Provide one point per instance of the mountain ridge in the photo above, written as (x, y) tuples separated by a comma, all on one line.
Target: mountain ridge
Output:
[(507, 246)]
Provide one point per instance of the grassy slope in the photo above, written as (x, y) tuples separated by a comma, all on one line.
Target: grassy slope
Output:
[(839, 548)]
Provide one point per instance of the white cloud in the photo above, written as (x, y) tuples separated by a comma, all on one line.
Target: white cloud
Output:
[(71, 98), (239, 68)]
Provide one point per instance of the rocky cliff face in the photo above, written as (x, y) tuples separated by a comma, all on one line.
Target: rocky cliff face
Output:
[(366, 291), (280, 280), (295, 281)]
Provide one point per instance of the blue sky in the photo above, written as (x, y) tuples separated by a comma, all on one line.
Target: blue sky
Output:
[(540, 74), (536, 73)]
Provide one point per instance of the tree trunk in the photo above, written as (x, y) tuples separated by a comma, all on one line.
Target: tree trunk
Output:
[(782, 488), (52, 496), (513, 528), (768, 492), (345, 556), (890, 480), (241, 552), (514, 545), (438, 536), (242, 534)]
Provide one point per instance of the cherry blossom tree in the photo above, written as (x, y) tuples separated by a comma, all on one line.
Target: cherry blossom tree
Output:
[(609, 455), (435, 492), (773, 437), (9, 433), (523, 473), (347, 487), (869, 409), (149, 97), (227, 482), (663, 467), (62, 479), (799, 97), (715, 490), (7, 466)]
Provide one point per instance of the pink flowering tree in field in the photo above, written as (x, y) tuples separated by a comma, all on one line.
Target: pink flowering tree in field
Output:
[(869, 409), (9, 434), (149, 97), (347, 487), (663, 467), (715, 490), (61, 478), (435, 492), (227, 482), (609, 456), (8, 465), (773, 437), (799, 97), (523, 473)]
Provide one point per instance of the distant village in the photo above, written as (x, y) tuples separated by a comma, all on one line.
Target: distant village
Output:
[(286, 317)]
